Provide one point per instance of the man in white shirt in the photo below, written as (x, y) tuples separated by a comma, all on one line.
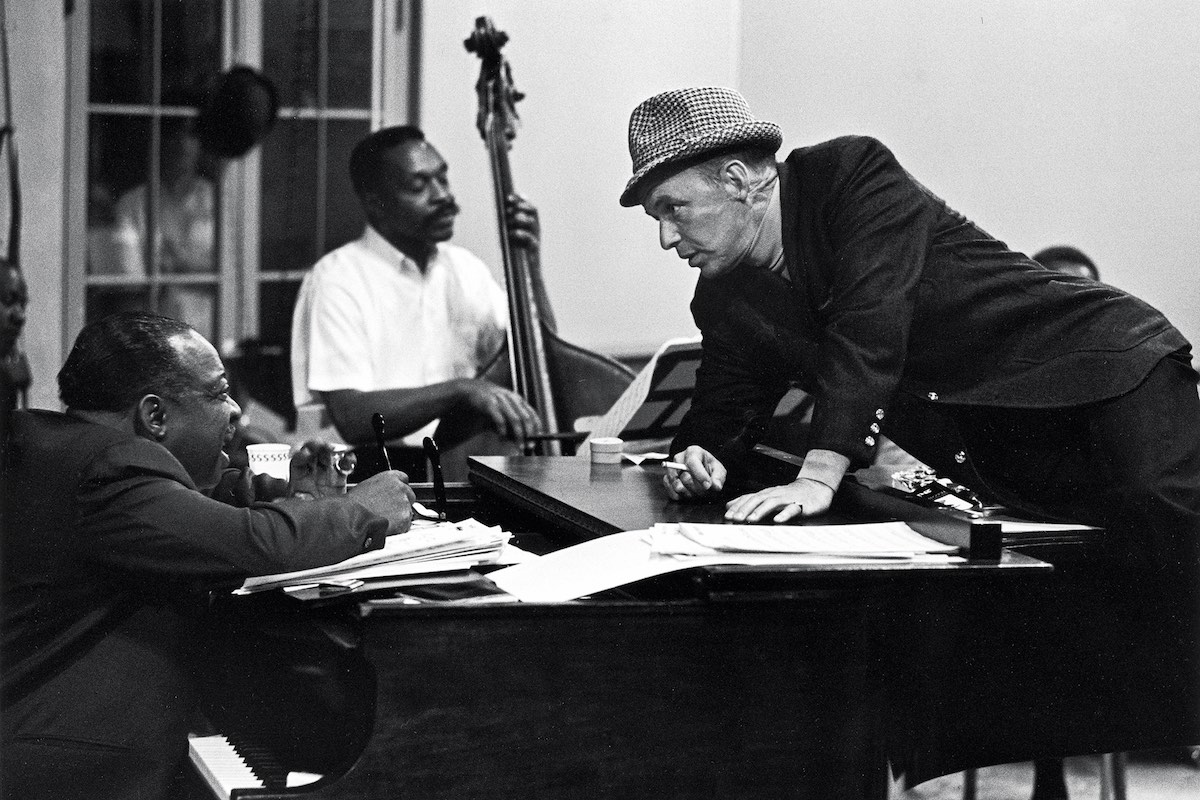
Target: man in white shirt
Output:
[(402, 323)]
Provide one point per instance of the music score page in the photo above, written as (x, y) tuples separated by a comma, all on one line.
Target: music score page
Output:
[(623, 558)]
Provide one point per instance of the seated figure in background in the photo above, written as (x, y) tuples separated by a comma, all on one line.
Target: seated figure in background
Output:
[(403, 323), (14, 367), (112, 538)]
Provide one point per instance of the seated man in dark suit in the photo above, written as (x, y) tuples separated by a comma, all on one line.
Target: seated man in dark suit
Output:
[(112, 537)]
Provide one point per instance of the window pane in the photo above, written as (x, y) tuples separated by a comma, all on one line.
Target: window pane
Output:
[(350, 54), (344, 218), (289, 191), (122, 48), (290, 50), (191, 46), (118, 152), (122, 40), (105, 300), (194, 304)]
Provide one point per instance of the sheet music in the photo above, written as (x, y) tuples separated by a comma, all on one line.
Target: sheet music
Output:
[(452, 545), (615, 420), (623, 558), (869, 539)]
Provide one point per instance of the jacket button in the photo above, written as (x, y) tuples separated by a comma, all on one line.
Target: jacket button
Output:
[(933, 395), (874, 427), (879, 413), (960, 457), (367, 544), (869, 441)]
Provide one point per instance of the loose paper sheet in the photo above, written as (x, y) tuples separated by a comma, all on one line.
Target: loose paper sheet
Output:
[(623, 558)]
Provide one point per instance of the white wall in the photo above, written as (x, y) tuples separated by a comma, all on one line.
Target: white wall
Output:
[(583, 67), (37, 57), (1045, 121)]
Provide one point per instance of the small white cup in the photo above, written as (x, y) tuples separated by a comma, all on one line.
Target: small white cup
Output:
[(270, 459), (606, 450)]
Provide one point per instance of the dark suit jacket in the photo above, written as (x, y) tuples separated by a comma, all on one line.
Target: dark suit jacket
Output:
[(105, 542), (894, 295)]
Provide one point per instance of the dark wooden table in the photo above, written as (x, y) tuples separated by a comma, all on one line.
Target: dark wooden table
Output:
[(726, 682)]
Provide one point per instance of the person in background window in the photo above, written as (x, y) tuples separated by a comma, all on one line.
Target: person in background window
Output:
[(1069, 260), (14, 368), (184, 226)]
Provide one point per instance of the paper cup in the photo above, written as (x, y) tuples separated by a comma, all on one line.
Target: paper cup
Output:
[(270, 459), (606, 450)]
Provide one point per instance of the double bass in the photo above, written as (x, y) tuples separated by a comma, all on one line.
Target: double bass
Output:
[(562, 381)]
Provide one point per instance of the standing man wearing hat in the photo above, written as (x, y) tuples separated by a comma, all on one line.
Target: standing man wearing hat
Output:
[(837, 271)]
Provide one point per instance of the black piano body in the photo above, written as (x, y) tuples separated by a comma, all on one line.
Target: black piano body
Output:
[(720, 682)]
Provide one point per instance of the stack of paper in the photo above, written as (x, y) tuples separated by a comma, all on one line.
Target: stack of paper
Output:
[(623, 558), (434, 548)]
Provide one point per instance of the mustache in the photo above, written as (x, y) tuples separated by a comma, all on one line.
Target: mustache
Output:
[(448, 207)]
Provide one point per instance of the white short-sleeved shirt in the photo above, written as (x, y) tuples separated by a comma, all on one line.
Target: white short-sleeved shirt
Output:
[(368, 319)]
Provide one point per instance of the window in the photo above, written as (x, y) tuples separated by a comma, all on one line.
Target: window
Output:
[(154, 221)]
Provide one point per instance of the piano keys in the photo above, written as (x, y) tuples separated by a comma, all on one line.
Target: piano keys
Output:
[(227, 772)]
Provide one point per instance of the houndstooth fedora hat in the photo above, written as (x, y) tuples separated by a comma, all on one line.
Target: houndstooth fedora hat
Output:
[(685, 123)]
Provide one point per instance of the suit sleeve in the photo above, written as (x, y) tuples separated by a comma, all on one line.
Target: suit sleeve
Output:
[(880, 222), (737, 390), (138, 517)]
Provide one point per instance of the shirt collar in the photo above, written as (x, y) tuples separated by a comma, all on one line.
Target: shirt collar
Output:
[(767, 251), (374, 242)]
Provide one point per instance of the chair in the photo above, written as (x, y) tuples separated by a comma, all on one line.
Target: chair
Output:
[(263, 371)]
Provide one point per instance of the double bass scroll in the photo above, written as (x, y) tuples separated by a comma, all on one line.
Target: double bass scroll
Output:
[(560, 380)]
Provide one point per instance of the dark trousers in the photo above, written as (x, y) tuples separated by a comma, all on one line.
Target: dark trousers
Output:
[(1105, 655)]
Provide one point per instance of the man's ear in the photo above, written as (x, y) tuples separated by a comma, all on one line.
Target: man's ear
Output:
[(150, 417), (372, 203), (736, 178)]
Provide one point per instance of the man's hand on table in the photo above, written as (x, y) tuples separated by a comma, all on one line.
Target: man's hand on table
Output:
[(807, 496), (803, 497)]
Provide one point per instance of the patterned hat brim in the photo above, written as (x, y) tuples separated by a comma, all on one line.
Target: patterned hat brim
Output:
[(741, 134)]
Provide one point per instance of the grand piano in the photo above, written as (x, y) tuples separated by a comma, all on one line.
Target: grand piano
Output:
[(802, 682)]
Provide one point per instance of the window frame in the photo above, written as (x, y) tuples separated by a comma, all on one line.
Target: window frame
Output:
[(394, 99)]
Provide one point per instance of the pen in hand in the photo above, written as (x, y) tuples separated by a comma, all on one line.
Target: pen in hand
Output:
[(377, 423)]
